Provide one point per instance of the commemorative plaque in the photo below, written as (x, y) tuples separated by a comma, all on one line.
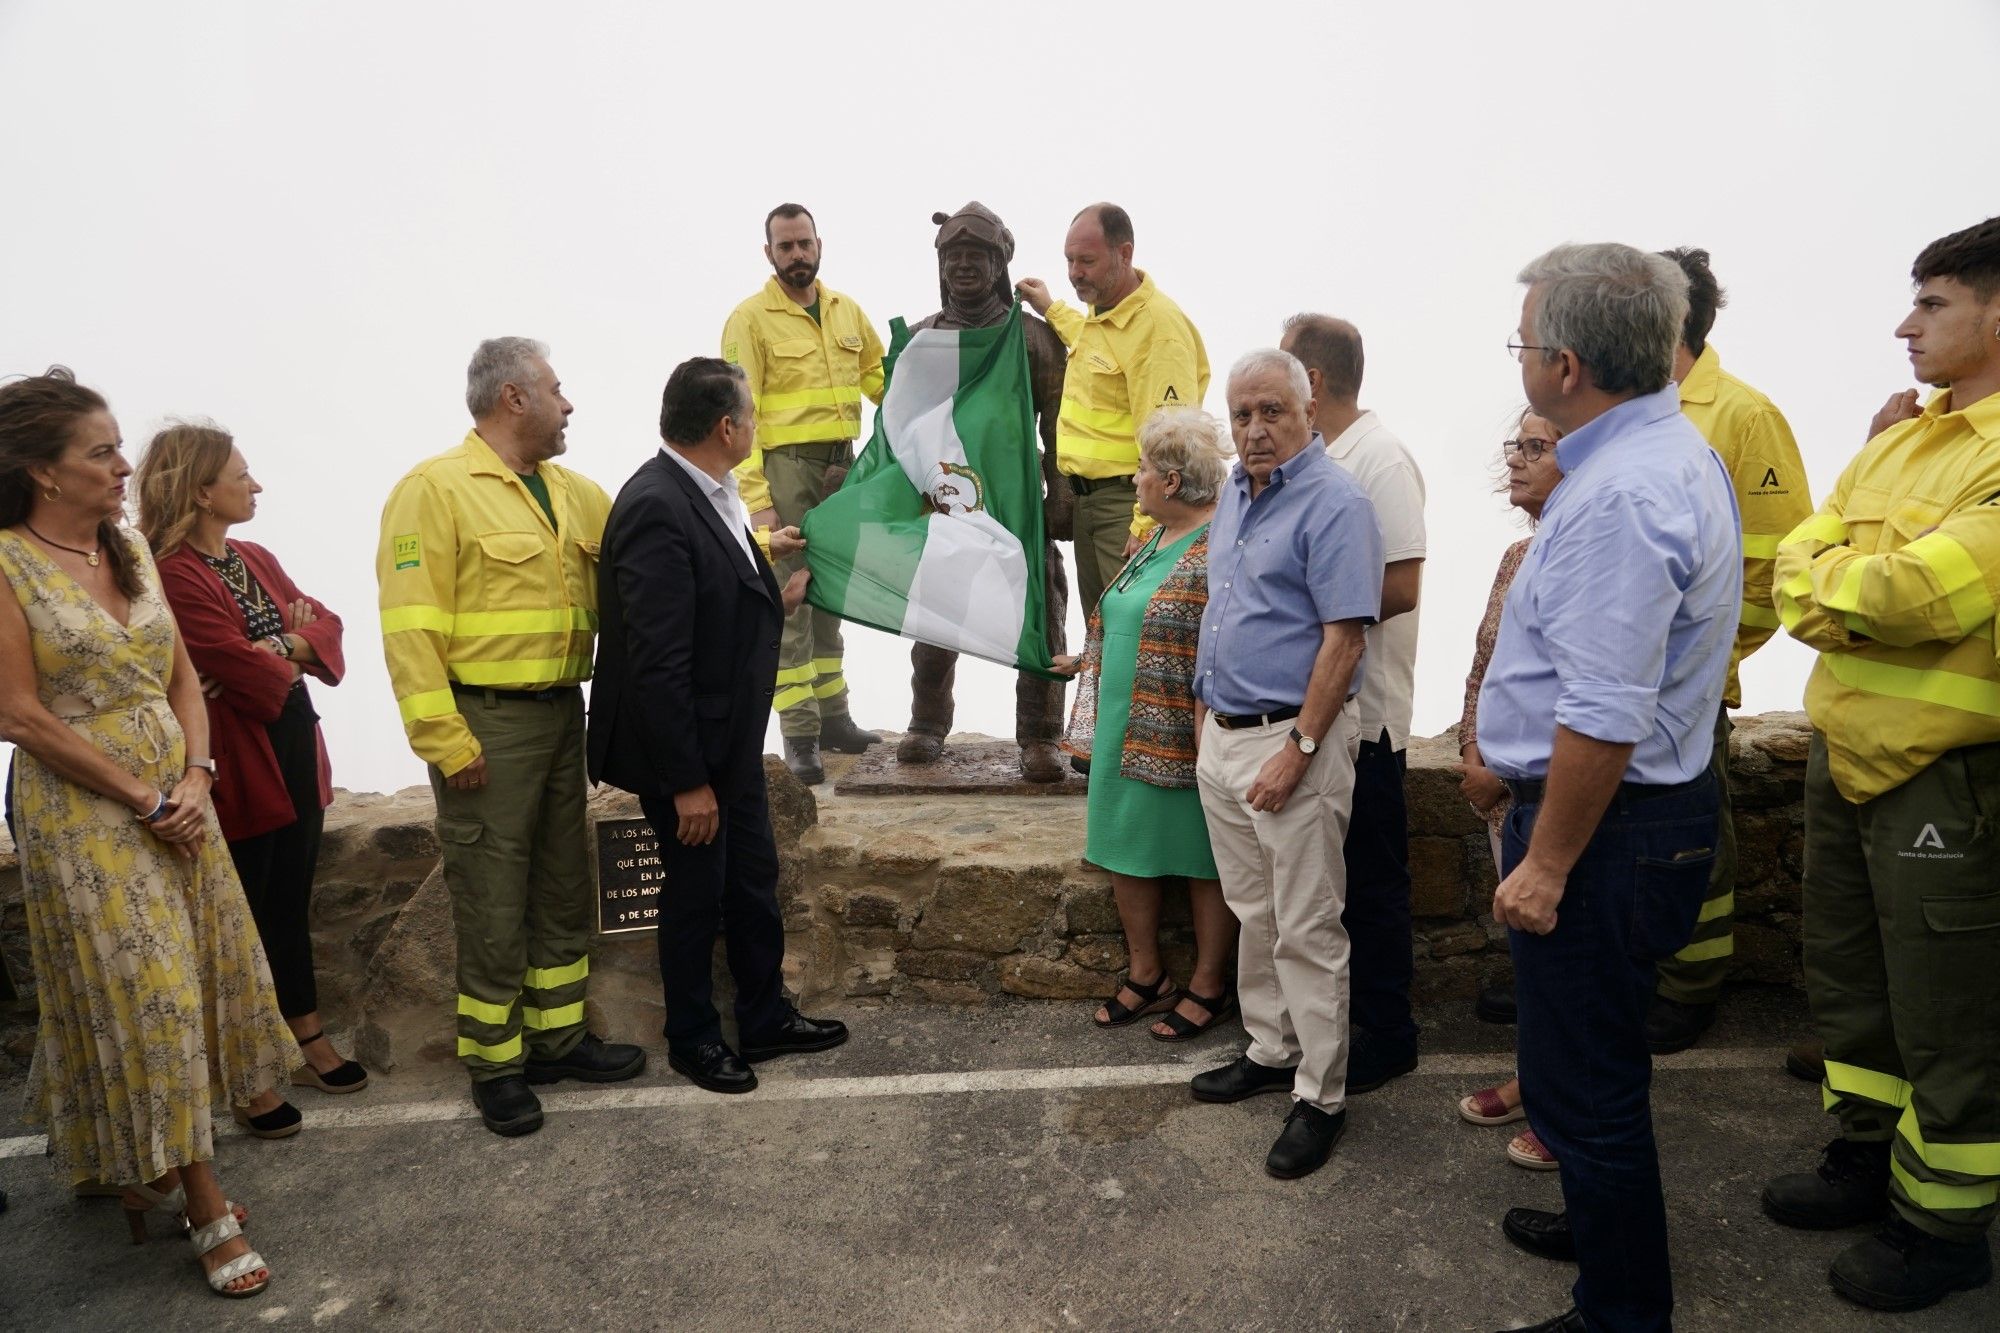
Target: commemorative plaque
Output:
[(629, 876)]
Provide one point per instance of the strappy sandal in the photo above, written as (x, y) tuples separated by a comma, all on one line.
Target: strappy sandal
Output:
[(1152, 999), (217, 1234), (350, 1077), (1185, 1029), (173, 1202)]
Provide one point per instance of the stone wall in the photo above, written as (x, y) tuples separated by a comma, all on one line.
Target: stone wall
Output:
[(947, 898)]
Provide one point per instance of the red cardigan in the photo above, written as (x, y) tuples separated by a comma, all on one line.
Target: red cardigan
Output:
[(250, 796)]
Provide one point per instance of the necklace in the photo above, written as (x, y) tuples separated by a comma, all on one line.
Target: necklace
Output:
[(236, 575), (90, 555)]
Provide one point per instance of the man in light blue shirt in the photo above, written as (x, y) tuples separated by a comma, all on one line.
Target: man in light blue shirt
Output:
[(1598, 711), (1294, 578)]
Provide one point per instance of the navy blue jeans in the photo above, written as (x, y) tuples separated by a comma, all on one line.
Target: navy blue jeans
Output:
[(1586, 1074), (1377, 915)]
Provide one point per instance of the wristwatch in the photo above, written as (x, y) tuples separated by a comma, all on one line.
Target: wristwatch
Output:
[(1307, 745)]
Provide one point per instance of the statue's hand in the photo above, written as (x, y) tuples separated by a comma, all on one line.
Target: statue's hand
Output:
[(1036, 293)]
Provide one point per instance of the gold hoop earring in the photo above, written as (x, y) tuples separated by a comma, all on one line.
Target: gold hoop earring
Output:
[(52, 493)]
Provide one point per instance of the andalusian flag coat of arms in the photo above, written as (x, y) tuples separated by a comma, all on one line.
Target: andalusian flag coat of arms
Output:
[(937, 533)]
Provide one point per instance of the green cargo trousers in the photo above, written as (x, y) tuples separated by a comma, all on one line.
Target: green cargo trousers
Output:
[(810, 683), (1902, 964), (517, 865), (1695, 974), (1103, 526)]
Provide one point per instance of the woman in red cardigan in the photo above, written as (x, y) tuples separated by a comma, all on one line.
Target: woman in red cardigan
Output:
[(253, 637)]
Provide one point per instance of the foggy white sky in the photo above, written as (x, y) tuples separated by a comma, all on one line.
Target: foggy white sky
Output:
[(300, 219)]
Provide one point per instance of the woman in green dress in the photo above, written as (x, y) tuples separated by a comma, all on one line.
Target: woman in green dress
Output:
[(1136, 722)]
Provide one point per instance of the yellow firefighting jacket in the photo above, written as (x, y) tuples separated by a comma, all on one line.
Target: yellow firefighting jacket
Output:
[(1894, 581), (478, 589), (807, 378), (1757, 446)]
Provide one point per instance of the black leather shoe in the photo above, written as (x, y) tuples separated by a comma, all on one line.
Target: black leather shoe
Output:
[(1537, 1232), (1372, 1061), (713, 1066), (508, 1105), (592, 1060), (1305, 1142), (1902, 1268), (797, 1033), (1569, 1321), (802, 757), (1496, 1005), (1850, 1186), (1672, 1026), (840, 735), (1242, 1077)]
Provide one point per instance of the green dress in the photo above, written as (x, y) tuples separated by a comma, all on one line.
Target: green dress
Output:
[(1134, 827)]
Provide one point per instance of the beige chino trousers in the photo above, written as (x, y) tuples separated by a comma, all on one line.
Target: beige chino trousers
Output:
[(1284, 877)]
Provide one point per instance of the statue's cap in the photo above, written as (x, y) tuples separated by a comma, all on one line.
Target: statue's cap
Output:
[(975, 222)]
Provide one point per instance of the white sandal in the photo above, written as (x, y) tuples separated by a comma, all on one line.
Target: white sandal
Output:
[(173, 1202), (217, 1234)]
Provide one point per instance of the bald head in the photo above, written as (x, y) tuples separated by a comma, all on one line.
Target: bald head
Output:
[(1330, 350)]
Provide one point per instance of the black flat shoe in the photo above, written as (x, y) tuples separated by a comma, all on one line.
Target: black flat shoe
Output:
[(1569, 1321), (1305, 1142), (508, 1105), (1672, 1026), (1371, 1061), (797, 1035), (713, 1066), (592, 1060), (1240, 1078), (1541, 1233), (1496, 1005)]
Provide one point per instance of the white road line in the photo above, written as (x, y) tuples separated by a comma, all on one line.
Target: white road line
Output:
[(782, 1089)]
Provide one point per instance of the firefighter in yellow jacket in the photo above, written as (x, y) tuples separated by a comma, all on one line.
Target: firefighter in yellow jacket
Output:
[(1756, 444), (1894, 582), (488, 573), (810, 355), (1131, 352)]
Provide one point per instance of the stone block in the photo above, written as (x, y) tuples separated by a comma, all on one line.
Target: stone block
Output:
[(1052, 979), (943, 964), (1437, 876), (830, 848), (948, 992), (1768, 952), (1100, 953), (1451, 941), (1759, 835), (988, 908), (1784, 737), (896, 854), (1436, 807), (1447, 979), (867, 907), (1090, 909)]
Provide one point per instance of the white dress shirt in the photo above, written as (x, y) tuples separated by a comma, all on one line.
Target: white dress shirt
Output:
[(724, 498)]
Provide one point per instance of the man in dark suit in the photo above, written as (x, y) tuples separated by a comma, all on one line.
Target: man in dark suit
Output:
[(687, 649)]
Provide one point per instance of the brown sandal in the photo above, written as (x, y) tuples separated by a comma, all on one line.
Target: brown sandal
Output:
[(1152, 999)]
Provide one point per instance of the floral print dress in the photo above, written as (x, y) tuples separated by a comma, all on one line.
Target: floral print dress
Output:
[(157, 1011)]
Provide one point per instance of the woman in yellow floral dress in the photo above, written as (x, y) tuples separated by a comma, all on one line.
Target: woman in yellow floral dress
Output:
[(157, 1010)]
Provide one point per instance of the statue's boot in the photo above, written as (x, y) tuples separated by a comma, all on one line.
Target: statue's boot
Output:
[(932, 673), (1041, 761), (919, 747)]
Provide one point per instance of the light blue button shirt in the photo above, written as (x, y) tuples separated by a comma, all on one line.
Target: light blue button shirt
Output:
[(1305, 553), (1621, 622)]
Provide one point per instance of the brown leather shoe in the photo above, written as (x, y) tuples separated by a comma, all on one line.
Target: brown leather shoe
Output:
[(919, 747), (1041, 762)]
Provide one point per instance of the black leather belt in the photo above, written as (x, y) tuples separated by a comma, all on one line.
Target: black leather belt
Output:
[(1529, 791), (1237, 721), (532, 696), (1085, 485)]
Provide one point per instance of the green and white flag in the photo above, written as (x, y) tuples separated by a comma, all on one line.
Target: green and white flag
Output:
[(937, 533)]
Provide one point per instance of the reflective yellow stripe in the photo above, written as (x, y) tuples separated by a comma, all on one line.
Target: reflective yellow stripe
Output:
[(797, 675), (1847, 597), (1972, 1159), (431, 703), (485, 624), (548, 978), (1791, 610), (542, 1020), (1760, 545), (1124, 453), (809, 432), (822, 665), (829, 687), (505, 1053), (1869, 1086), (791, 697), (522, 673), (781, 402), (1716, 907), (1959, 576), (1948, 689), (1708, 949), (399, 618), (499, 1015), (1758, 617), (1097, 419), (1936, 1197), (1822, 528)]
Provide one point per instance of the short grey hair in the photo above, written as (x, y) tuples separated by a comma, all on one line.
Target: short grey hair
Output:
[(1619, 309), (1189, 441), (1270, 358), (499, 362)]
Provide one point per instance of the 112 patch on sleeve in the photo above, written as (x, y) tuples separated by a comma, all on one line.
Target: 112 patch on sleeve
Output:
[(409, 550)]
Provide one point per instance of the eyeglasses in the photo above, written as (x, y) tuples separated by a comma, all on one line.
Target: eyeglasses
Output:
[(1519, 350), (1529, 447)]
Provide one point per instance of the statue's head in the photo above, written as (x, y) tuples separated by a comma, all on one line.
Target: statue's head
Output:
[(973, 248)]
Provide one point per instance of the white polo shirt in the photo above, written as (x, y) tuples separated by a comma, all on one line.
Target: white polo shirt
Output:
[(1376, 459)]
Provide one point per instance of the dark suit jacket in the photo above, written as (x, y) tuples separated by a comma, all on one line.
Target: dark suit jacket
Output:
[(687, 645)]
